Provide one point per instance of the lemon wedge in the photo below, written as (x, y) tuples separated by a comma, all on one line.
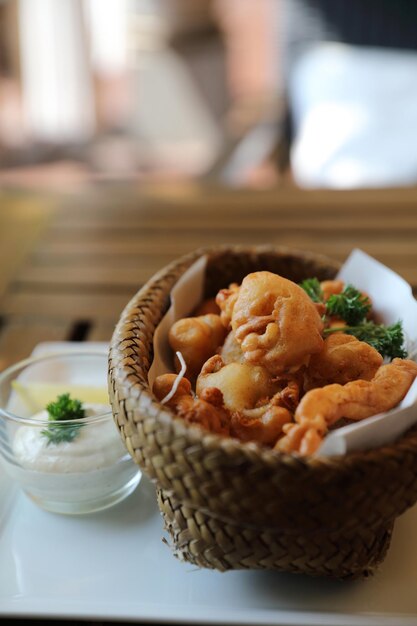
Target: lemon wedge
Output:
[(37, 395)]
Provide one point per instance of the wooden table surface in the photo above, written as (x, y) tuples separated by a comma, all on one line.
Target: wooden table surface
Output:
[(71, 262)]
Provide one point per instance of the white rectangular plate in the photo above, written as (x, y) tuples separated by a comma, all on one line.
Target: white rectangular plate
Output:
[(113, 565)]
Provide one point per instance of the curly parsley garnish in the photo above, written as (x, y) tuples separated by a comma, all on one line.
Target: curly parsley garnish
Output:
[(388, 340), (352, 306), (63, 409), (313, 288)]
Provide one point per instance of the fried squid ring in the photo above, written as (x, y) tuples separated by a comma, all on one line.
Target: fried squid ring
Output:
[(207, 411), (263, 425), (243, 385), (342, 359), (276, 323), (321, 408), (197, 338)]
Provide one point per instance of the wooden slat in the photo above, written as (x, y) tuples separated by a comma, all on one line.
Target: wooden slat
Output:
[(97, 274), (187, 194), (128, 271), (71, 307), (166, 246), (233, 210), (21, 222), (104, 244), (219, 220), (121, 201)]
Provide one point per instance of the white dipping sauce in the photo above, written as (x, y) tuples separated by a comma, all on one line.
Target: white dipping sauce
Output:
[(95, 445), (92, 466)]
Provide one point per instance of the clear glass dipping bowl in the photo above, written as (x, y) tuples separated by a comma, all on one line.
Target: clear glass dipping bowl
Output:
[(93, 471)]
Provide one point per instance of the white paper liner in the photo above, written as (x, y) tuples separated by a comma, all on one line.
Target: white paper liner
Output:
[(392, 300), (186, 294)]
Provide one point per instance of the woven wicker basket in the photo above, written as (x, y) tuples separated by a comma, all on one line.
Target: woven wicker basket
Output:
[(229, 505)]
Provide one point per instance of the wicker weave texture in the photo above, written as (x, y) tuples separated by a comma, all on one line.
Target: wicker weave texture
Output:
[(205, 541), (230, 505)]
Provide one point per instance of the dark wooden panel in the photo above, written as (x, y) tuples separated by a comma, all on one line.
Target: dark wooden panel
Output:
[(101, 331), (19, 337), (67, 306)]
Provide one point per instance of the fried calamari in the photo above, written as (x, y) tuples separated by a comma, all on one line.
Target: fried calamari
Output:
[(243, 385), (207, 411), (343, 358), (276, 323), (197, 338), (280, 364), (263, 424), (226, 300), (323, 407)]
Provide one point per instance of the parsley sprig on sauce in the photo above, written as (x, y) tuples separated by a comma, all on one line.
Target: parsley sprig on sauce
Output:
[(64, 408), (352, 306)]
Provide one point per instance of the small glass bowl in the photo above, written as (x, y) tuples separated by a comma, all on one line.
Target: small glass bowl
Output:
[(73, 466)]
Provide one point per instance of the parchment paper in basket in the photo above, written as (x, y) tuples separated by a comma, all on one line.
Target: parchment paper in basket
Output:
[(186, 294), (392, 299), (374, 431)]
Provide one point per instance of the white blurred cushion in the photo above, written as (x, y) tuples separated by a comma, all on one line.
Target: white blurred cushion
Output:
[(355, 117)]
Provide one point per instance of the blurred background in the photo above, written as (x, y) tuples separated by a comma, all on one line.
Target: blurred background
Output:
[(258, 93), (246, 93), (135, 131)]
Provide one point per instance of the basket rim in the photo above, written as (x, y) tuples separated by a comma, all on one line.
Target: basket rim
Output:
[(198, 435)]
